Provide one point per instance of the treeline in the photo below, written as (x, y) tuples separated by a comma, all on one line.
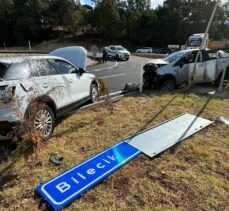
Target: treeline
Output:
[(127, 21)]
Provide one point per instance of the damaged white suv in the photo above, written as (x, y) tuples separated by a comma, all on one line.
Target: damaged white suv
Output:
[(58, 84)]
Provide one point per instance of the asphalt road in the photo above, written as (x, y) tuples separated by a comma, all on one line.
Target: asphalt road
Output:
[(118, 73)]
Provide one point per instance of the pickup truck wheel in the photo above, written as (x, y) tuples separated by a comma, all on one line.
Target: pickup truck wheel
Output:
[(167, 84), (44, 121), (146, 83), (94, 93)]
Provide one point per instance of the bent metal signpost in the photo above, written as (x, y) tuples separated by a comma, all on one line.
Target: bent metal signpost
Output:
[(63, 189)]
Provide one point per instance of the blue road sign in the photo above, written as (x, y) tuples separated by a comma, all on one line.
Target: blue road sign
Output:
[(63, 189)]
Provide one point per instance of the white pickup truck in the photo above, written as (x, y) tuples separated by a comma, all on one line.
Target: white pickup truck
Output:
[(118, 52)]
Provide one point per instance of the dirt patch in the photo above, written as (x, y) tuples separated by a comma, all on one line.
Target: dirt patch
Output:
[(91, 62)]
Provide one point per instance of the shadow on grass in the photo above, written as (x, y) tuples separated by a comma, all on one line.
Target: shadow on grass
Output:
[(6, 149), (191, 124)]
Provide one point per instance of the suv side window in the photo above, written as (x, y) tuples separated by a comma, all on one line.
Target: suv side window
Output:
[(63, 67), (112, 48), (44, 68), (33, 68), (17, 71)]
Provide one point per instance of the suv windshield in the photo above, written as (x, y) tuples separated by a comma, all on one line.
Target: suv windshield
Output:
[(15, 71), (120, 48), (174, 56)]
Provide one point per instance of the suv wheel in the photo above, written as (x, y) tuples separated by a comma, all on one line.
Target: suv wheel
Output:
[(167, 84), (94, 93), (44, 121), (117, 57)]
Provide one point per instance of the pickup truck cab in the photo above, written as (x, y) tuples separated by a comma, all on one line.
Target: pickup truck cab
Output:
[(177, 68), (118, 52)]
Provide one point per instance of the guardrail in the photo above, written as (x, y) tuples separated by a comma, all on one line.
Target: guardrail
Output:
[(150, 55), (23, 51)]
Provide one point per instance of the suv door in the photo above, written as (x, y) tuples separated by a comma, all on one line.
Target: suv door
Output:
[(209, 58), (112, 51), (79, 86), (50, 83), (200, 67), (221, 61)]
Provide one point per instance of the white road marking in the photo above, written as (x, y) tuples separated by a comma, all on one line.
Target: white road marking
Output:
[(105, 68), (110, 76)]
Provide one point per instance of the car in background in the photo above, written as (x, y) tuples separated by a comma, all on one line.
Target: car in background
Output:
[(165, 50), (177, 68), (144, 50), (117, 52), (53, 82)]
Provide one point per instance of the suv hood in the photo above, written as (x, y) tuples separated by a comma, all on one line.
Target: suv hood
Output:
[(76, 55), (158, 61), (124, 51)]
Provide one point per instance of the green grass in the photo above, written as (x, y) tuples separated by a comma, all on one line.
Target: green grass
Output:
[(192, 176)]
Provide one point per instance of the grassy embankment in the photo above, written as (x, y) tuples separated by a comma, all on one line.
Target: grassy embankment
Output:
[(192, 176)]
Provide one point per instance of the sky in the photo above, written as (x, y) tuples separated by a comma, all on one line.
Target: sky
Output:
[(154, 3)]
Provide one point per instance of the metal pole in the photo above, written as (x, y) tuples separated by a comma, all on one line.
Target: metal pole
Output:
[(202, 44), (5, 45), (29, 45)]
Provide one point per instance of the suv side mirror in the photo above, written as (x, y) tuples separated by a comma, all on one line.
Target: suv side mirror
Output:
[(81, 71)]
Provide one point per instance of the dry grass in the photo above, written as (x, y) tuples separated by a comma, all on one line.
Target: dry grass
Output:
[(193, 176)]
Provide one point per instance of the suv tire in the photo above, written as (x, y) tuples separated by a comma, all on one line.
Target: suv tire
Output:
[(44, 121)]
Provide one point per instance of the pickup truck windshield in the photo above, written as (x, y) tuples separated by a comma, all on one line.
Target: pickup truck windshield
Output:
[(173, 57)]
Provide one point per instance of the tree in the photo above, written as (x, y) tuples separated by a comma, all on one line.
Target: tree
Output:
[(106, 19), (134, 5), (5, 20)]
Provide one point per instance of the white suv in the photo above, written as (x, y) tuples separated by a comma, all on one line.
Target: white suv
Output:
[(54, 81), (118, 52)]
